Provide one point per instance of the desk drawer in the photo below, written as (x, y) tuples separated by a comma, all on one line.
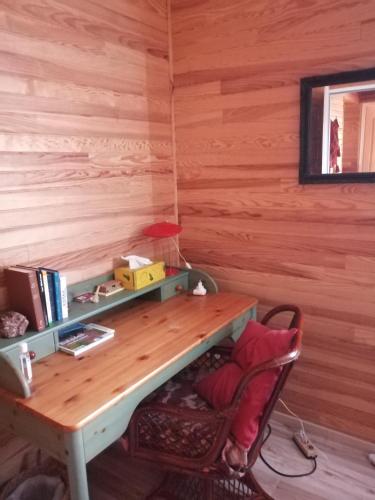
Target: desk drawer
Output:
[(178, 285), (43, 346)]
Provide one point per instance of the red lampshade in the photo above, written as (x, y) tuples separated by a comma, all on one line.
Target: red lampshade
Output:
[(162, 230)]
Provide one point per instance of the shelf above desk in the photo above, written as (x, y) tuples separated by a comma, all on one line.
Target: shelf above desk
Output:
[(46, 342)]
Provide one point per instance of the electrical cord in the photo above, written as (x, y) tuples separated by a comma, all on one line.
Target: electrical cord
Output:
[(180, 254), (269, 428), (294, 415), (303, 432)]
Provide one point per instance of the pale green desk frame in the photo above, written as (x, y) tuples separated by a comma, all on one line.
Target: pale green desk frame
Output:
[(77, 448)]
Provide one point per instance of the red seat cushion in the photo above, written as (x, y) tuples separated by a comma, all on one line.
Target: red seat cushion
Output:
[(219, 386), (256, 345)]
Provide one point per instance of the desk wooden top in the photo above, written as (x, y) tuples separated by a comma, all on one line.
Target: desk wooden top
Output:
[(69, 391)]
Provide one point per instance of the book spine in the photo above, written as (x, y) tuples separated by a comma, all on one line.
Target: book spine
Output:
[(42, 295), (37, 303), (57, 295), (47, 296), (24, 297), (64, 297), (51, 291)]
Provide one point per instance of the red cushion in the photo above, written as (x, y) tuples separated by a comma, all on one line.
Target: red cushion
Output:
[(246, 422), (256, 345), (218, 387), (243, 347)]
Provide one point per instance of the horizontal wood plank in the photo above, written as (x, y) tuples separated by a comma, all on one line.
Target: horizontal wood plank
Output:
[(237, 67)]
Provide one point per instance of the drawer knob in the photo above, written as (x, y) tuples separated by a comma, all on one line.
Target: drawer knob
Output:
[(32, 354), (179, 288)]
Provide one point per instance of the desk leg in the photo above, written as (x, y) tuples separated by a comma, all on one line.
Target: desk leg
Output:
[(76, 464)]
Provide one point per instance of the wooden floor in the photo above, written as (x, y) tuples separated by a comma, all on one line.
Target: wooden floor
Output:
[(343, 472)]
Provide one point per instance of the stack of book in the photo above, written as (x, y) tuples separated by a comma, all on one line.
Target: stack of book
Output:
[(80, 337), (40, 294)]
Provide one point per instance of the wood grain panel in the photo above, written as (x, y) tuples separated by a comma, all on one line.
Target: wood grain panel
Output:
[(83, 163), (85, 139), (246, 220)]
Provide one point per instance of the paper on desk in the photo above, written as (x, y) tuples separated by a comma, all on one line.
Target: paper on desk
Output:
[(135, 261)]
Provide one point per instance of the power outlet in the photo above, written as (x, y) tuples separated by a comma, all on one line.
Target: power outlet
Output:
[(305, 445)]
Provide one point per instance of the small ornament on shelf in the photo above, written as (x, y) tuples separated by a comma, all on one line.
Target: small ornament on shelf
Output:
[(109, 288), (12, 324), (199, 289), (95, 297)]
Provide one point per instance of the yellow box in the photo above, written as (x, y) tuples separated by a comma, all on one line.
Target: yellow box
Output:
[(134, 279)]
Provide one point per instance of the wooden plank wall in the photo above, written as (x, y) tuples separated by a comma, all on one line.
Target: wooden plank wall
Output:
[(246, 219), (86, 157), (85, 131)]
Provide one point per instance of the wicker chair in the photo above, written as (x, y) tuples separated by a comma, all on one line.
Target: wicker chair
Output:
[(188, 443)]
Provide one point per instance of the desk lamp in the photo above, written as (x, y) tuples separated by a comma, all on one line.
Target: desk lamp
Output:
[(166, 230)]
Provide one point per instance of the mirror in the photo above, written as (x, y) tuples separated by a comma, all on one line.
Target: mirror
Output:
[(338, 128)]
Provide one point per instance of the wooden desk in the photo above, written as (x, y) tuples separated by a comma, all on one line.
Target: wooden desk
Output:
[(81, 405)]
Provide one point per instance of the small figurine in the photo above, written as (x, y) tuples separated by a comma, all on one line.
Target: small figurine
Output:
[(199, 289)]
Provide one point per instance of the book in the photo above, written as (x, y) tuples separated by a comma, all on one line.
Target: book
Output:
[(69, 330), (84, 338), (51, 292), (57, 292), (24, 296), (54, 286), (42, 294), (47, 295), (41, 289), (64, 297)]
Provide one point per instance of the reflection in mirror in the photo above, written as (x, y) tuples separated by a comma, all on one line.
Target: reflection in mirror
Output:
[(338, 128), (343, 130)]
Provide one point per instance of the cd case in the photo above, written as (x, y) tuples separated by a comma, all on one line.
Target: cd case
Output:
[(83, 338)]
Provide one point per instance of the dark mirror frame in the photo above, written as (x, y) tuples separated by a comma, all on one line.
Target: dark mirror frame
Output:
[(307, 85)]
